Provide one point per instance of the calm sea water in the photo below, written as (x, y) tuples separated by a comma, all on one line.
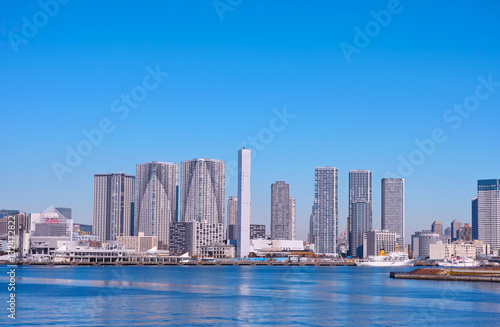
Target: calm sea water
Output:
[(227, 295)]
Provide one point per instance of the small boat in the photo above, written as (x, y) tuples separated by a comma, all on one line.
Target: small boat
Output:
[(394, 259), (459, 262)]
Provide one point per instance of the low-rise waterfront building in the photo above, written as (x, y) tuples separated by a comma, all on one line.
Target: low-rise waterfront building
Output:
[(139, 242), (217, 251)]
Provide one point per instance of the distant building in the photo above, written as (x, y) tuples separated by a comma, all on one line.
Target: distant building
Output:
[(488, 220), (465, 233), (232, 218), (393, 207), (325, 210), (156, 200), (84, 228), (281, 220), (472, 250), (66, 212), (475, 234), (437, 227), (360, 209), (257, 232), (139, 242), (5, 213), (447, 231), (374, 241), (422, 240), (114, 195), (455, 227), (310, 235)]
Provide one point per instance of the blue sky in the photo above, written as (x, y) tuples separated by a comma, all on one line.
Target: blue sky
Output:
[(226, 77)]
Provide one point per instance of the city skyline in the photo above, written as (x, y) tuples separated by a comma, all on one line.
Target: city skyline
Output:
[(304, 232)]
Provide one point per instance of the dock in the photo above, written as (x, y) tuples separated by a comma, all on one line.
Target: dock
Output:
[(451, 274)]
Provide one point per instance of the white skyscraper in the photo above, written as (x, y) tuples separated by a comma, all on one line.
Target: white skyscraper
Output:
[(244, 202), (113, 205), (203, 183), (156, 204)]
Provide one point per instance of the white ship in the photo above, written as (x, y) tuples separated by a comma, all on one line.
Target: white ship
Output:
[(459, 262), (394, 259)]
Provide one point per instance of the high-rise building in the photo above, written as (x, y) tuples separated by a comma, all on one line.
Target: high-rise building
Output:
[(156, 206), (393, 208), (325, 210), (114, 195), (203, 190), (437, 227), (232, 217), (474, 218), (281, 220), (488, 220), (244, 202), (293, 216), (360, 209), (447, 231), (455, 227)]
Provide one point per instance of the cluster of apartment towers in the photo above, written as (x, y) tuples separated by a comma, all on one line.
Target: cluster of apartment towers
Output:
[(154, 202)]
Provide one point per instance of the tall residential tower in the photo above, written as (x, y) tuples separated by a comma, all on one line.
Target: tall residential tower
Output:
[(203, 191), (281, 214), (113, 206), (393, 208), (488, 212), (360, 209), (156, 205), (325, 210)]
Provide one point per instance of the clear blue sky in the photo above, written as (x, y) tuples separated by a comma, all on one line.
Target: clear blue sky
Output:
[(225, 78)]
